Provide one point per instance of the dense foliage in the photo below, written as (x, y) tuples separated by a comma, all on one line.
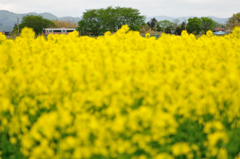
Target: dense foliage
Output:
[(207, 24), (98, 21), (36, 22), (152, 23), (165, 25), (120, 96), (194, 25), (234, 20)]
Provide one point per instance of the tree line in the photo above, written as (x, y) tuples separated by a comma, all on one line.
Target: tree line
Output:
[(97, 21), (194, 25)]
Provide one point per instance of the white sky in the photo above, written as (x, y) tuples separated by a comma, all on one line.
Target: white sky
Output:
[(172, 8)]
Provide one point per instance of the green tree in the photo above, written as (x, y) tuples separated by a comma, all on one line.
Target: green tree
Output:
[(111, 18), (233, 21), (90, 23), (37, 23), (159, 28), (178, 30), (152, 23), (98, 21), (207, 24), (131, 17), (183, 26), (194, 25), (216, 24), (165, 24), (168, 29), (14, 30), (175, 23)]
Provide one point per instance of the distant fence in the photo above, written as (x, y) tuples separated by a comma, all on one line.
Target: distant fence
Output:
[(157, 36)]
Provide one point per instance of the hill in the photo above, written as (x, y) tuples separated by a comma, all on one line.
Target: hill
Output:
[(8, 19)]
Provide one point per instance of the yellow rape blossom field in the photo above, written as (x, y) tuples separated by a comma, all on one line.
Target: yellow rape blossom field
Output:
[(120, 96)]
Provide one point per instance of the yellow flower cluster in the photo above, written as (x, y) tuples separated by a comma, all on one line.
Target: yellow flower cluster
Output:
[(120, 95), (2, 37)]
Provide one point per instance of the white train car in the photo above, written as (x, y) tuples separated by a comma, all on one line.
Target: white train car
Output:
[(47, 31)]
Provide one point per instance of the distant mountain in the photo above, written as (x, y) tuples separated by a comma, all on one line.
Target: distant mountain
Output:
[(75, 19), (159, 18), (8, 19), (219, 20), (48, 16)]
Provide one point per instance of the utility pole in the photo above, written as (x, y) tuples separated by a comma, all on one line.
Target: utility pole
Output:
[(185, 20), (156, 30), (0, 27), (18, 25)]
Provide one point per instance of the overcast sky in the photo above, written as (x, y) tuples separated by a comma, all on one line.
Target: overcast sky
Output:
[(173, 8)]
